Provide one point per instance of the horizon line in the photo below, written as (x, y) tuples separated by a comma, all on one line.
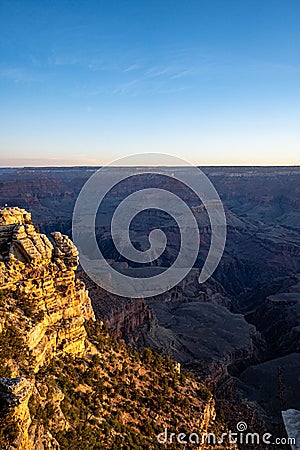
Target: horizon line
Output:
[(142, 165)]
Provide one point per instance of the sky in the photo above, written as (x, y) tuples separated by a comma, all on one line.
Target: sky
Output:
[(84, 82)]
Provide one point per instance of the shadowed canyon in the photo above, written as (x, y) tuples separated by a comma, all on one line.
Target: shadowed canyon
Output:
[(238, 333)]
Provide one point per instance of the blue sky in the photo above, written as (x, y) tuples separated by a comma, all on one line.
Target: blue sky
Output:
[(86, 81)]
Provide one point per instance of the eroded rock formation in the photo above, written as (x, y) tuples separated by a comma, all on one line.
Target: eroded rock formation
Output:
[(38, 276), (43, 308)]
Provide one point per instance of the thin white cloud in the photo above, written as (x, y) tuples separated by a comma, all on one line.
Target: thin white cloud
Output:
[(182, 74), (132, 67), (127, 88), (158, 71), (17, 75)]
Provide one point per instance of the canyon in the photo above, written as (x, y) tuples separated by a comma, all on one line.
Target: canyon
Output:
[(239, 331), (64, 381)]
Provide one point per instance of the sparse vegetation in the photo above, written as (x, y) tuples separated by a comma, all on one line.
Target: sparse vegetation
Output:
[(119, 396), (9, 430)]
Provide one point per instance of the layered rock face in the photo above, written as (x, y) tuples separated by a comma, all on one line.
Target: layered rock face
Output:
[(126, 318), (39, 277), (43, 307)]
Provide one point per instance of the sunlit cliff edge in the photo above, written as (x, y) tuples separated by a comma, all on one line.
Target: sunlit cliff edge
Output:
[(64, 382)]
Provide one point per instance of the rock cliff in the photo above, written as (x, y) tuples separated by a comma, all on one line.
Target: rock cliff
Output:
[(43, 309), (47, 304)]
